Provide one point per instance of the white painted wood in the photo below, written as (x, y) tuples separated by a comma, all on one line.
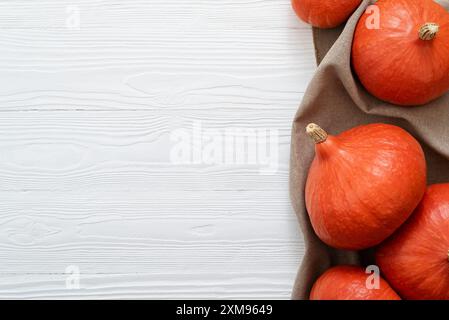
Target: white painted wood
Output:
[(87, 116)]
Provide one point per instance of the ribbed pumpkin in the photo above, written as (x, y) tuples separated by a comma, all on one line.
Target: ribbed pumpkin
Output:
[(325, 13), (363, 184), (415, 260), (404, 61), (349, 283)]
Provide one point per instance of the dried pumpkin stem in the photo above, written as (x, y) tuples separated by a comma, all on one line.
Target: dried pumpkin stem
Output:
[(428, 31), (316, 133)]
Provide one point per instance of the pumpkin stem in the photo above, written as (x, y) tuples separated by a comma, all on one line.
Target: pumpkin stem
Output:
[(428, 31), (316, 133)]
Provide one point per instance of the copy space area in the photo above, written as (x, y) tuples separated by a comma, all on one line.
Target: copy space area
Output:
[(95, 202)]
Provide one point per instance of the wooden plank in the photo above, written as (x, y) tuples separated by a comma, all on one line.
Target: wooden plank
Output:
[(91, 94), (148, 286), (129, 150)]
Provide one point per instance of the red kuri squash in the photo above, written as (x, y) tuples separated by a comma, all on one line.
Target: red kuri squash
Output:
[(350, 283), (415, 260), (325, 13), (401, 51), (363, 184)]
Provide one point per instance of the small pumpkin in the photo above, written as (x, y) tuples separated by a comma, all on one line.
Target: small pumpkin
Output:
[(350, 283), (403, 60), (415, 260), (325, 13), (363, 184)]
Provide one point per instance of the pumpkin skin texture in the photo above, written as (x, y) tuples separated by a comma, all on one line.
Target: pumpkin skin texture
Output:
[(325, 13), (415, 259), (393, 63), (349, 283), (363, 184)]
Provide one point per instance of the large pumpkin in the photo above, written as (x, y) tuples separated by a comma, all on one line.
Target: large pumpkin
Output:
[(415, 260), (363, 184), (325, 13), (350, 283), (405, 58)]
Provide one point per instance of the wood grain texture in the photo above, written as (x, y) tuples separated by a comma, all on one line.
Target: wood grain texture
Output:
[(87, 112)]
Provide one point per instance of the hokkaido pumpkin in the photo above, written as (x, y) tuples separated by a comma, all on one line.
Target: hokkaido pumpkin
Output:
[(415, 260), (363, 184), (350, 283), (400, 51), (325, 13)]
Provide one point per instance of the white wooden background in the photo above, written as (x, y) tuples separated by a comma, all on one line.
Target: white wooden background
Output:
[(86, 113)]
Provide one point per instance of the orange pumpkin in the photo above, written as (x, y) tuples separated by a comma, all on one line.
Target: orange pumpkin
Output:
[(415, 260), (325, 13), (350, 283), (363, 184), (405, 58)]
